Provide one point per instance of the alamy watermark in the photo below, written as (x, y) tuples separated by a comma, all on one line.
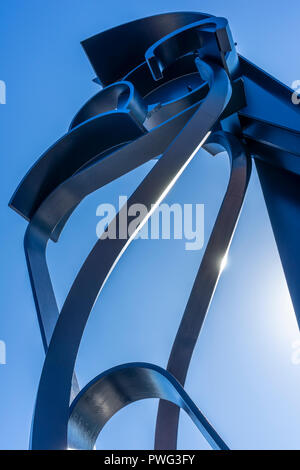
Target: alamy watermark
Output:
[(295, 357), (2, 92), (2, 352), (164, 222), (296, 94)]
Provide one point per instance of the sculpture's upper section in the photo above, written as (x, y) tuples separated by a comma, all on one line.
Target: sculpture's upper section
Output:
[(154, 77), (154, 58)]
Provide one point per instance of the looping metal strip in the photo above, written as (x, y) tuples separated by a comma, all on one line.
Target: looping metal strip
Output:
[(52, 404), (90, 156)]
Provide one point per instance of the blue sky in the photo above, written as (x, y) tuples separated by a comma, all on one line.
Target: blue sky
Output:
[(242, 376)]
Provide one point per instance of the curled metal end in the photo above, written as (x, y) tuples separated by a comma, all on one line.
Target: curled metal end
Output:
[(120, 386)]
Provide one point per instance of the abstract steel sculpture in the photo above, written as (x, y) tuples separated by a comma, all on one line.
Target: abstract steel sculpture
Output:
[(171, 84)]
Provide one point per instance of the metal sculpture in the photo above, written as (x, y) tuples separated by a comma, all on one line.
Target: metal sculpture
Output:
[(171, 84)]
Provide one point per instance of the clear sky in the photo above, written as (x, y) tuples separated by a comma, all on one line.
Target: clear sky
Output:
[(242, 374)]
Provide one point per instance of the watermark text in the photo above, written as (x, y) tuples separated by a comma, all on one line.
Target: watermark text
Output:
[(180, 222)]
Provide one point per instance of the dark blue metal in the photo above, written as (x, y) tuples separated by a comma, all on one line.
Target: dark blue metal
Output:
[(169, 81), (206, 280), (120, 386), (51, 414)]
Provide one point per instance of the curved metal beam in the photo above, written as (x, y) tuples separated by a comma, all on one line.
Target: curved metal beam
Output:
[(205, 283), (130, 41), (193, 37), (53, 213), (69, 154), (120, 386), (89, 156), (49, 429)]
